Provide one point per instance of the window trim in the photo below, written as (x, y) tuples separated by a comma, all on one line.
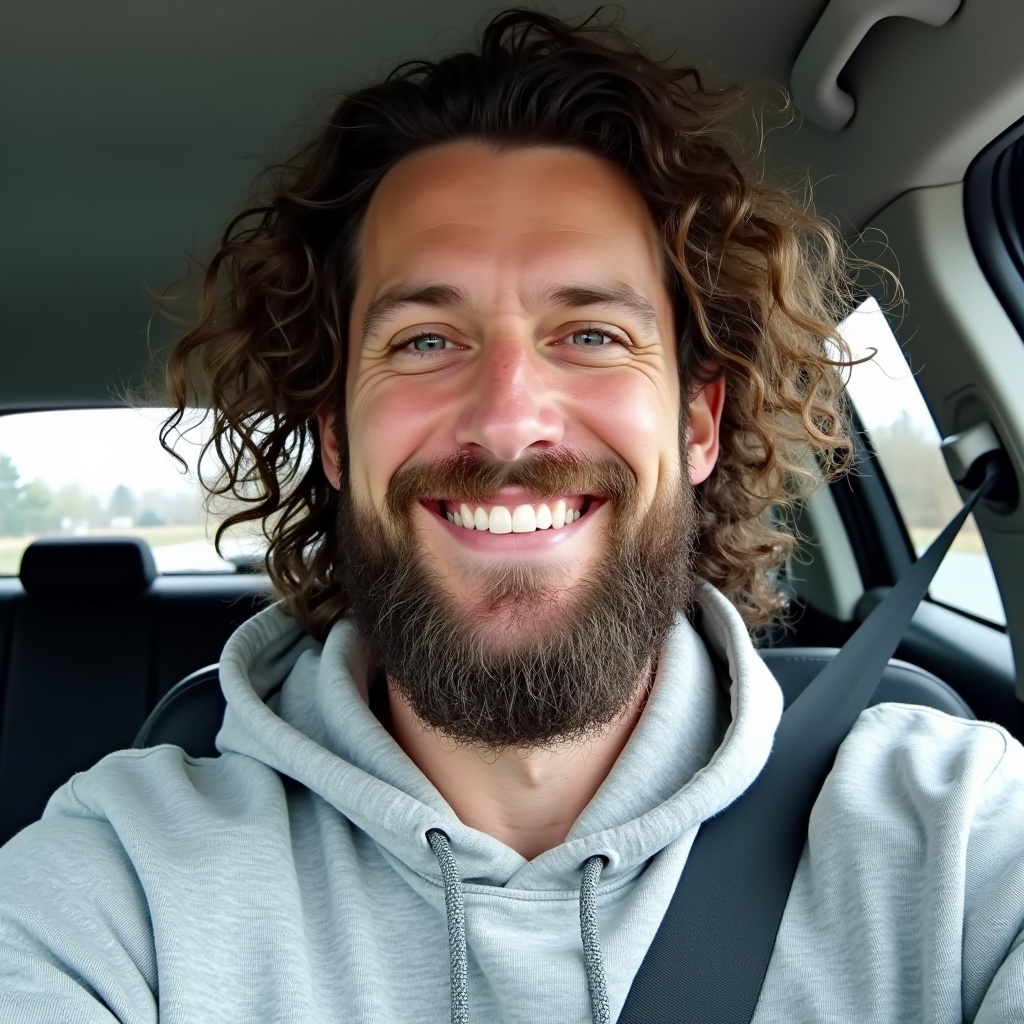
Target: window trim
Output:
[(868, 509), (994, 216)]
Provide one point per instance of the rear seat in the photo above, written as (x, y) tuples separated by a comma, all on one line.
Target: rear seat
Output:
[(90, 639)]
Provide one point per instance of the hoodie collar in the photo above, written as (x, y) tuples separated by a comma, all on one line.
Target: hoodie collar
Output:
[(688, 758)]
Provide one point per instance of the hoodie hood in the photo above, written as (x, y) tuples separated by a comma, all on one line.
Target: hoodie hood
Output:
[(302, 708)]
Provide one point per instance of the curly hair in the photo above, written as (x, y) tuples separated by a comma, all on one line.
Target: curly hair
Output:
[(758, 284)]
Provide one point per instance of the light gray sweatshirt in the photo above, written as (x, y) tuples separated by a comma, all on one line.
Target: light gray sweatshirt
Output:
[(291, 878)]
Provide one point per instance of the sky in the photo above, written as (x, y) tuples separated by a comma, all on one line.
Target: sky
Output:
[(884, 388), (98, 448)]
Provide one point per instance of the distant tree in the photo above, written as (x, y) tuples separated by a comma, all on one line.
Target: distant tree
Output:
[(10, 516), (150, 518), (37, 516), (916, 473), (24, 508), (122, 503), (174, 508), (71, 505)]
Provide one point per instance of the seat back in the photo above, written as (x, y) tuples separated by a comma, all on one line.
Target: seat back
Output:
[(901, 682), (189, 715), (70, 695), (90, 639)]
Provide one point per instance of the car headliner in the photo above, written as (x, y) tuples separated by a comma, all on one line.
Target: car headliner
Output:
[(132, 131)]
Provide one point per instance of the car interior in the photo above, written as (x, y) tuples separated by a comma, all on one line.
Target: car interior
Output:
[(132, 133)]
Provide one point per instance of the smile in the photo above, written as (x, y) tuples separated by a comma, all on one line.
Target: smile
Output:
[(518, 518), (516, 527)]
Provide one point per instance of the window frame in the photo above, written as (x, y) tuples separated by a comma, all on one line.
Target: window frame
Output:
[(995, 223)]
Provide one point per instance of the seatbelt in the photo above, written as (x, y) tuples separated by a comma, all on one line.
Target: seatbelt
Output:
[(710, 955)]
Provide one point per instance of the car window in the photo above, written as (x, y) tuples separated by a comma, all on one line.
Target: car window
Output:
[(102, 472), (903, 434)]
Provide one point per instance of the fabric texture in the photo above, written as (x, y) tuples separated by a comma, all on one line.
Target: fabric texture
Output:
[(294, 878)]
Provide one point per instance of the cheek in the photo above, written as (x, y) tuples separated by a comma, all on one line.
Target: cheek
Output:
[(388, 424), (639, 420)]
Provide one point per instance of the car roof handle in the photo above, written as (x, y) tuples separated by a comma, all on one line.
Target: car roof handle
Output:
[(841, 28)]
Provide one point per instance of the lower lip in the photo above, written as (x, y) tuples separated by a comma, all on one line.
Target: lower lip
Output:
[(505, 543)]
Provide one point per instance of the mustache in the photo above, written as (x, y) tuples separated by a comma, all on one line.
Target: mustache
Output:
[(469, 476)]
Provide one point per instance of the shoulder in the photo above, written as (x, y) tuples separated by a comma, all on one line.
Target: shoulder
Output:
[(911, 769), (135, 801), (913, 745), (911, 886), (81, 882), (74, 909), (81, 888), (164, 780)]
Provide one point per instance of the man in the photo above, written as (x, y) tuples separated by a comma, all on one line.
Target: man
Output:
[(516, 362)]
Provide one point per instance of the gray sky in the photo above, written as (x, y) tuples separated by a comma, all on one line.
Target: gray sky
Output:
[(884, 388), (98, 448)]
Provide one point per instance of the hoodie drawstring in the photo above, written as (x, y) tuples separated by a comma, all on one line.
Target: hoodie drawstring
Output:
[(456, 924), (456, 913), (592, 960)]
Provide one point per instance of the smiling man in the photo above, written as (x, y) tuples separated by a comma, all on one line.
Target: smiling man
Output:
[(515, 476), (523, 374)]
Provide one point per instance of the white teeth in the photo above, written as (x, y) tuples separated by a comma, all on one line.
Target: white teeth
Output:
[(524, 519), (500, 520), (558, 515), (521, 519)]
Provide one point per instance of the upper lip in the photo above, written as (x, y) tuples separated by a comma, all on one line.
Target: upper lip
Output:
[(516, 496)]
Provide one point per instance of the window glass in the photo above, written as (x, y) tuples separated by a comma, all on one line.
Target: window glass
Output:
[(904, 436), (102, 472)]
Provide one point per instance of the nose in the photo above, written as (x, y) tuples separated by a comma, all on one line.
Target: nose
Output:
[(508, 405)]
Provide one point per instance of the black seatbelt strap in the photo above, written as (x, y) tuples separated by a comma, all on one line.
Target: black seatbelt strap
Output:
[(710, 955)]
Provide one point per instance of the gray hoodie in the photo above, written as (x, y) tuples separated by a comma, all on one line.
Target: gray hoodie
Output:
[(293, 878)]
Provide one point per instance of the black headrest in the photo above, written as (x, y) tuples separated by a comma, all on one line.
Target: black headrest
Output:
[(55, 564)]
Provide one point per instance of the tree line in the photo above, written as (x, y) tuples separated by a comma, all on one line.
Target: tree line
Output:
[(33, 507), (914, 467)]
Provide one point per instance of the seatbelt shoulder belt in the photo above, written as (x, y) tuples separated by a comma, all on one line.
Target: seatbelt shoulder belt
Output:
[(710, 955)]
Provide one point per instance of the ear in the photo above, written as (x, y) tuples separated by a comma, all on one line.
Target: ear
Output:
[(702, 432), (329, 447)]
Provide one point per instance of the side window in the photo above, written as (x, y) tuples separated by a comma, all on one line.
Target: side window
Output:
[(96, 472), (903, 434)]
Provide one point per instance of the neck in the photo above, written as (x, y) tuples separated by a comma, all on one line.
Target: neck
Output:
[(527, 800)]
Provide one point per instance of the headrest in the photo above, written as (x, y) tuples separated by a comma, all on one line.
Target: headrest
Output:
[(112, 564)]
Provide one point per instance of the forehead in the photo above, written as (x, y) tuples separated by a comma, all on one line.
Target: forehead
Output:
[(517, 219)]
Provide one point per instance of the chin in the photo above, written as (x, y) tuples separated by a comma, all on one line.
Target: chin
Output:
[(512, 623)]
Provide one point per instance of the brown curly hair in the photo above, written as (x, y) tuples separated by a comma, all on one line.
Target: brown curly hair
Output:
[(758, 284)]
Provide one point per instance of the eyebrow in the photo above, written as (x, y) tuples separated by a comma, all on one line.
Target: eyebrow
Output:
[(392, 299), (619, 295), (451, 296)]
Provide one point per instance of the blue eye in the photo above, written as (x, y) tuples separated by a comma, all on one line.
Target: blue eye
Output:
[(592, 338), (428, 343)]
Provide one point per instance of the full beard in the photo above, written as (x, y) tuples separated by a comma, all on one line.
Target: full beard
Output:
[(527, 663)]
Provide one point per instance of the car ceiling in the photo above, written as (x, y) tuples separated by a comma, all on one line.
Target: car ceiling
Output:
[(132, 130)]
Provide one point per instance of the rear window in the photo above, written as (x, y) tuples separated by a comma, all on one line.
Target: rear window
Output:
[(102, 472)]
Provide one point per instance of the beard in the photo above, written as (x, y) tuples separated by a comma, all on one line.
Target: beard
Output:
[(529, 661)]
